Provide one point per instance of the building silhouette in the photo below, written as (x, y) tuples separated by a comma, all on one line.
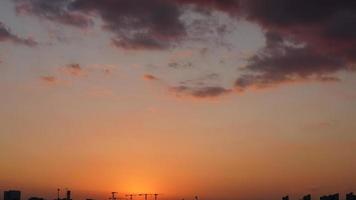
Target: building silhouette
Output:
[(330, 197), (307, 197), (285, 198), (35, 198), (12, 195), (350, 196), (68, 195)]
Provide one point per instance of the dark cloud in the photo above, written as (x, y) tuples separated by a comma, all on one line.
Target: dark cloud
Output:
[(6, 35), (281, 62), (326, 25), (201, 92), (136, 24), (281, 13), (54, 10), (305, 40), (231, 6)]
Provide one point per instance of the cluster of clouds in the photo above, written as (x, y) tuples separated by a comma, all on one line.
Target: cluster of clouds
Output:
[(305, 40), (74, 70)]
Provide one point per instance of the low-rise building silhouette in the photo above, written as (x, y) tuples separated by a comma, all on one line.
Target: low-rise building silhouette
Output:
[(35, 198), (307, 197), (350, 196), (285, 198), (12, 195), (330, 197)]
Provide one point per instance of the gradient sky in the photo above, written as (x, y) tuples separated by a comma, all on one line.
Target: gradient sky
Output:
[(230, 99)]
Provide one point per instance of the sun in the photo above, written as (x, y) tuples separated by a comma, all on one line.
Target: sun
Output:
[(138, 186)]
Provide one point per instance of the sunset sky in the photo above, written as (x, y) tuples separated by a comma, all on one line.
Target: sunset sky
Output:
[(225, 99)]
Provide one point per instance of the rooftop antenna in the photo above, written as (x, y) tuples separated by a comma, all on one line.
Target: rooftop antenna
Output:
[(58, 190)]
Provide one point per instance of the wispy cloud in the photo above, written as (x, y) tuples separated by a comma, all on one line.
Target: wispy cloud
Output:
[(150, 77), (7, 35), (49, 80), (200, 92), (74, 69)]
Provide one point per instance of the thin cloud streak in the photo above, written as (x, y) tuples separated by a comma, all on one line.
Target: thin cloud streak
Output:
[(150, 77)]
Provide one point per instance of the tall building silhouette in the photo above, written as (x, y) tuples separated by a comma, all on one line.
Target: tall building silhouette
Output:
[(68, 195), (350, 196), (12, 195)]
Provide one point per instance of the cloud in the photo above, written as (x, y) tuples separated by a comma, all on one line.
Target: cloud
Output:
[(305, 40), (202, 81), (180, 65), (50, 80), (138, 42), (57, 11), (200, 92), (6, 35), (280, 62), (136, 24), (317, 23), (230, 6), (73, 69), (150, 77)]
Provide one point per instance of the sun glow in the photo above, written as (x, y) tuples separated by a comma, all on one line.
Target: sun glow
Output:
[(139, 186)]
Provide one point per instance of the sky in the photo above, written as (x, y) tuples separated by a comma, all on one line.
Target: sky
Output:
[(224, 99)]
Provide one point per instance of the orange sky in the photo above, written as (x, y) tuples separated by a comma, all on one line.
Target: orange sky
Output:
[(78, 112)]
